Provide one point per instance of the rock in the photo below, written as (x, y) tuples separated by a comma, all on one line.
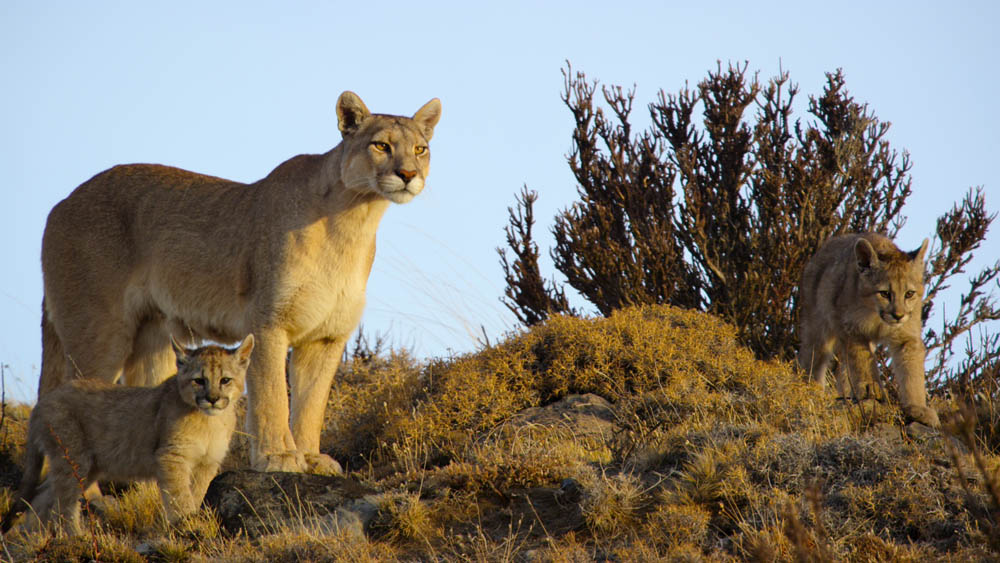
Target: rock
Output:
[(260, 503), (588, 415)]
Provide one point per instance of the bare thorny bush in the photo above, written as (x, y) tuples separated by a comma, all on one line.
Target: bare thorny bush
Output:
[(722, 216)]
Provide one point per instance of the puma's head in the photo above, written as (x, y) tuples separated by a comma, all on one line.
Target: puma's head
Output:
[(385, 154), (211, 378), (894, 280)]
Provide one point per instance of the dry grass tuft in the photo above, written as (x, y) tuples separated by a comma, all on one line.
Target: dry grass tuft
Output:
[(611, 507)]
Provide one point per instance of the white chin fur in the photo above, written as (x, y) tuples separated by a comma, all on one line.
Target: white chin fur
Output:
[(393, 188)]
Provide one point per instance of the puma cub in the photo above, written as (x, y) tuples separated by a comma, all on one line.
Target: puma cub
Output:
[(177, 433), (857, 291)]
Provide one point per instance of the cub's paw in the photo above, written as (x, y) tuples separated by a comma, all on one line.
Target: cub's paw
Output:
[(924, 415), (290, 461), (322, 464)]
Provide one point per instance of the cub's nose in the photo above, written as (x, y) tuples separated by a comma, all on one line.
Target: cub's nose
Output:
[(406, 175), (898, 316)]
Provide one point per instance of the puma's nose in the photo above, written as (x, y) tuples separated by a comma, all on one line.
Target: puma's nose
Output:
[(406, 175)]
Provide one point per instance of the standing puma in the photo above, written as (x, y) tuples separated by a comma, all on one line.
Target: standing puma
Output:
[(177, 432), (142, 251), (858, 291)]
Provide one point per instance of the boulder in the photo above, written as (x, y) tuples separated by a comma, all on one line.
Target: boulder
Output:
[(260, 503)]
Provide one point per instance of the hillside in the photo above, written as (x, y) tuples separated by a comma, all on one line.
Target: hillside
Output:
[(650, 435)]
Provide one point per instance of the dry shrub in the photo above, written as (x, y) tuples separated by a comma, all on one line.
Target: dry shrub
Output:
[(137, 510), (611, 506), (99, 546), (301, 546), (517, 458), (404, 518), (678, 524), (368, 396), (690, 361)]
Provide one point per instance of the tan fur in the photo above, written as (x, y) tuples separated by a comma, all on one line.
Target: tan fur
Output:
[(142, 251), (858, 291), (177, 433)]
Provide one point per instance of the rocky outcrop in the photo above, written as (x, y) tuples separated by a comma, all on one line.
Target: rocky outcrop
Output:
[(260, 503)]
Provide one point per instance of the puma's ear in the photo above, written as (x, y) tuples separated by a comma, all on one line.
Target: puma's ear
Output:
[(865, 254), (428, 116), (179, 351), (245, 349), (918, 254), (351, 112)]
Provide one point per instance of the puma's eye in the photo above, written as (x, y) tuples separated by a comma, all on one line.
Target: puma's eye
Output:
[(885, 294), (200, 381), (225, 380), (419, 150), (910, 294), (380, 146)]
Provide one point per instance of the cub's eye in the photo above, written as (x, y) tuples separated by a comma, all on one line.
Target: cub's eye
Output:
[(200, 381), (380, 146), (885, 294), (419, 150), (225, 380), (910, 294)]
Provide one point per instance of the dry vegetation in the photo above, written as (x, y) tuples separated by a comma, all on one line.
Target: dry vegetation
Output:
[(700, 452)]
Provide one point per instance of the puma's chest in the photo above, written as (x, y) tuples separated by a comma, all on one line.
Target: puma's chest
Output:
[(323, 294)]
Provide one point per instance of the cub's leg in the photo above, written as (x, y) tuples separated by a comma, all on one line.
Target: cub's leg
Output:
[(312, 369), (201, 476), (152, 359), (815, 354), (173, 475), (908, 373), (272, 447), (65, 512), (69, 475), (855, 379)]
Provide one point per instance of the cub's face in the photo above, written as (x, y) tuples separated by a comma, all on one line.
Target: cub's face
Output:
[(385, 155), (211, 378), (893, 284)]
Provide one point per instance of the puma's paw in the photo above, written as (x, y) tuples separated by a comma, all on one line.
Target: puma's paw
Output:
[(322, 464), (290, 461), (923, 415)]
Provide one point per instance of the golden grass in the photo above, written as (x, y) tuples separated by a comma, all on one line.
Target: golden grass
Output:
[(714, 455)]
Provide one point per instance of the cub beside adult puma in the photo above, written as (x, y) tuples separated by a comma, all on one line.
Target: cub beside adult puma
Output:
[(142, 251), (177, 433), (857, 291)]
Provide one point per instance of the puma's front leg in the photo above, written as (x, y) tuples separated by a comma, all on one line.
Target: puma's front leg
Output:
[(313, 366), (272, 446), (908, 373)]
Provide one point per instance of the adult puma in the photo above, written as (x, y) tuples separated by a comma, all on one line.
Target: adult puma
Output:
[(858, 291), (139, 252), (177, 433)]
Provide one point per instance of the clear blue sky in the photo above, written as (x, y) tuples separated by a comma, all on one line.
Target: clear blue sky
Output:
[(233, 89)]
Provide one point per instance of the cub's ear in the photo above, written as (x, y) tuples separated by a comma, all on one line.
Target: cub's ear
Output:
[(351, 112), (918, 254), (179, 351), (245, 349), (428, 116), (865, 254)]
